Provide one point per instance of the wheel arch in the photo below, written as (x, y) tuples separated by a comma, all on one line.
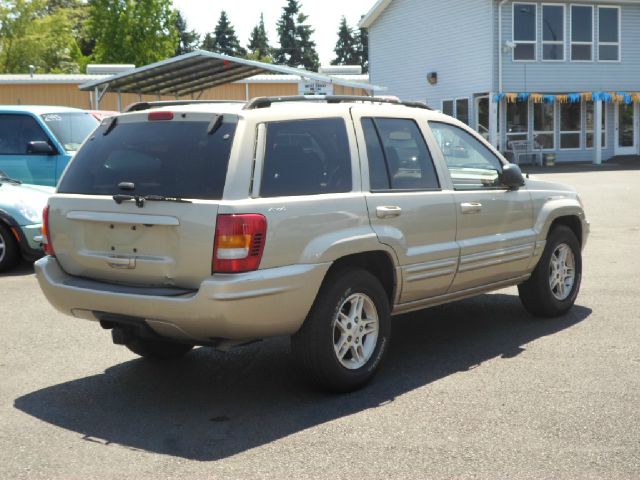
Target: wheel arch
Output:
[(377, 262), (572, 222)]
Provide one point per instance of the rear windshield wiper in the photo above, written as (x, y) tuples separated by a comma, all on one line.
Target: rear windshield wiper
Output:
[(4, 178), (140, 199)]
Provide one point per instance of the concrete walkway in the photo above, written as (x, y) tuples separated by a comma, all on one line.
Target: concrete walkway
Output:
[(620, 162)]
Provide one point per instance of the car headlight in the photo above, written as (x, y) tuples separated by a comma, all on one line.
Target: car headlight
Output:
[(28, 212)]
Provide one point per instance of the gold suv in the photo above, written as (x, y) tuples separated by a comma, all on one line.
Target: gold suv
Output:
[(216, 224)]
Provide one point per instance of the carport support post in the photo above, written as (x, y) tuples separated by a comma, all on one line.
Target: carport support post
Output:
[(493, 121), (597, 132), (119, 101)]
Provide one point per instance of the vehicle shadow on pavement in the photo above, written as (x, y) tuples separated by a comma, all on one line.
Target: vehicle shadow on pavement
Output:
[(23, 268), (211, 405)]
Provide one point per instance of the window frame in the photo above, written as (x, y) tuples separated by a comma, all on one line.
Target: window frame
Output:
[(570, 132), (612, 44), (564, 32), (466, 99), (481, 141), (420, 131), (524, 42), (593, 33)]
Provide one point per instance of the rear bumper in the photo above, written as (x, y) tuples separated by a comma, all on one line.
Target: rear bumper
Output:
[(250, 305)]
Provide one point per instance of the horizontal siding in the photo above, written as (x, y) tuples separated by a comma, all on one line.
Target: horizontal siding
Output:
[(570, 76), (414, 37)]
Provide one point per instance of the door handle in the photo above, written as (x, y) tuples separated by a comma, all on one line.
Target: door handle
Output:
[(388, 211), (471, 207)]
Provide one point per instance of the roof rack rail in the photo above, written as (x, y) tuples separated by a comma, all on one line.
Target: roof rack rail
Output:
[(264, 102), (138, 106)]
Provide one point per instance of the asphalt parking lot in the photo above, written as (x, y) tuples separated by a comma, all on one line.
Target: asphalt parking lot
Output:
[(475, 389)]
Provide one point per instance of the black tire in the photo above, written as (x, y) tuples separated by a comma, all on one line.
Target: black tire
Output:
[(536, 293), (9, 250), (313, 345), (158, 349)]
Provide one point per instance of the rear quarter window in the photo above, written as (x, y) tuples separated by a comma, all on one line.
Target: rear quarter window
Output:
[(306, 157), (171, 158)]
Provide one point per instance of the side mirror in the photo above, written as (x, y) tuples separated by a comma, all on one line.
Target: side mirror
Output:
[(512, 176), (40, 147)]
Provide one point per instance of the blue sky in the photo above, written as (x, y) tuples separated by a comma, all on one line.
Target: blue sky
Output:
[(324, 16)]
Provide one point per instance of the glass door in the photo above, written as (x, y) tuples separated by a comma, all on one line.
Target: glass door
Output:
[(626, 129)]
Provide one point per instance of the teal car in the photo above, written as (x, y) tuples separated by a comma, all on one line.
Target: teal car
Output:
[(37, 142), (21, 208)]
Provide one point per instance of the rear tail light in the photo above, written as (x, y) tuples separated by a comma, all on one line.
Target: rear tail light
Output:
[(46, 233), (239, 243)]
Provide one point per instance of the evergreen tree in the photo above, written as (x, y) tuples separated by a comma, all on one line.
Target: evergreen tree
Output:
[(347, 47), (362, 47), (188, 40), (258, 47), (224, 39), (296, 47)]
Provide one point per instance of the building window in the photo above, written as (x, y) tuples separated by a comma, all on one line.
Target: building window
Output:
[(553, 32), (517, 122), (609, 34), (570, 126), (590, 117), (544, 125), (581, 33), (524, 31), (447, 107), (462, 110)]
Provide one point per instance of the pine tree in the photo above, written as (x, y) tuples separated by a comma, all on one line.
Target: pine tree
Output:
[(362, 47), (346, 49), (296, 47), (224, 39), (258, 47), (187, 39)]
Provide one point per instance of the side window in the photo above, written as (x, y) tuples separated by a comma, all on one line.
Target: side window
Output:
[(306, 157), (398, 155), (472, 165), (16, 131)]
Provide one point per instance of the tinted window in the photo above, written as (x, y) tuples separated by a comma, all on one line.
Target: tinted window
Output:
[(462, 110), (471, 164), (408, 163), (524, 22), (378, 174), (306, 157), (16, 131), (172, 158), (447, 107), (70, 128)]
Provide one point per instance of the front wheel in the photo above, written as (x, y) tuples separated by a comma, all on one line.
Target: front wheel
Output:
[(346, 333), (553, 286), (9, 250)]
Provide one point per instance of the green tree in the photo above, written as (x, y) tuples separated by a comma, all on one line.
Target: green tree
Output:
[(362, 47), (224, 39), (33, 35), (259, 48), (132, 31), (346, 49), (296, 47), (188, 40)]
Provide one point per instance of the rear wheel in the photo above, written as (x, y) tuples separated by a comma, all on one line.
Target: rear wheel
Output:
[(346, 333), (158, 349), (553, 286), (9, 251)]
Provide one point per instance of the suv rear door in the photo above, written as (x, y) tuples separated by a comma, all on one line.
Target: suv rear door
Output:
[(408, 209), (495, 224), (138, 203)]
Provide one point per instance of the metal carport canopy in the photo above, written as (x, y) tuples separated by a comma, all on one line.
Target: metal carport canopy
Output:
[(197, 71)]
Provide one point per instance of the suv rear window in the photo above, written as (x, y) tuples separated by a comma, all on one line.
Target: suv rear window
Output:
[(171, 158), (306, 157)]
